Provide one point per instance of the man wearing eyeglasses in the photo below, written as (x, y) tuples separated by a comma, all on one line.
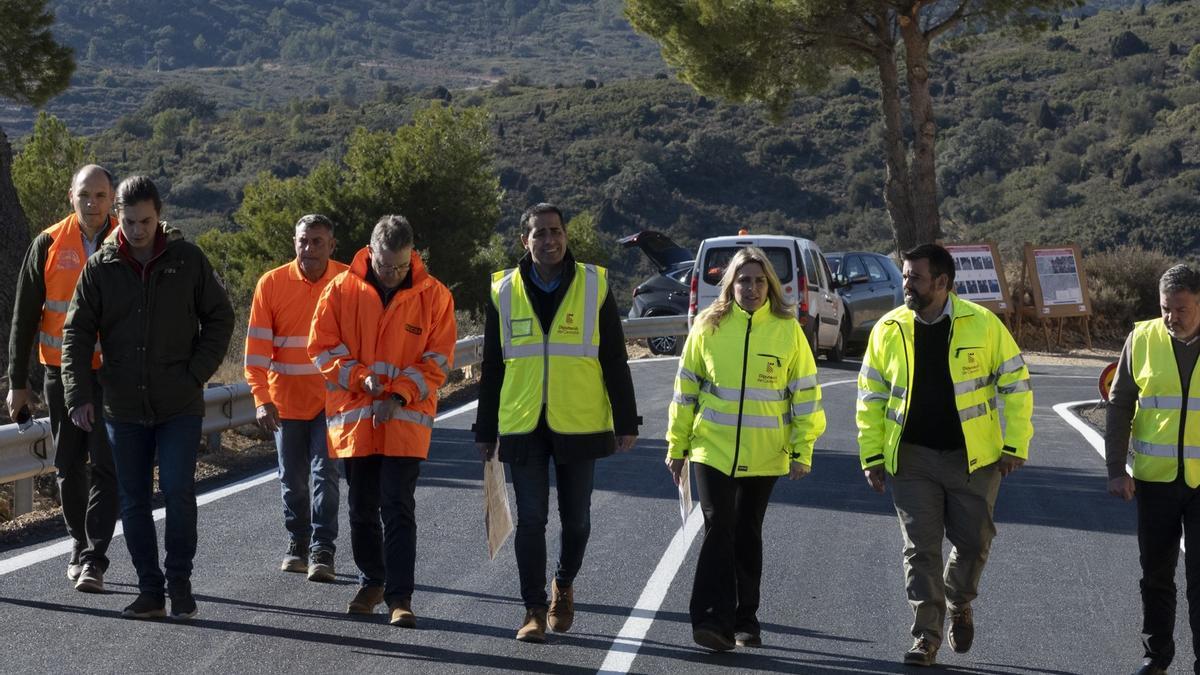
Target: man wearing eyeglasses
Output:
[(383, 337)]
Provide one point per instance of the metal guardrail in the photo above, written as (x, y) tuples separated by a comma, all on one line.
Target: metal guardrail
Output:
[(24, 456)]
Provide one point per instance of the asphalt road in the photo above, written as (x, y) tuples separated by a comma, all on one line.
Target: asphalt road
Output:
[(1059, 594)]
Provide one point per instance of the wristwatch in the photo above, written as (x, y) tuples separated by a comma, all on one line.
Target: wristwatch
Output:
[(399, 399)]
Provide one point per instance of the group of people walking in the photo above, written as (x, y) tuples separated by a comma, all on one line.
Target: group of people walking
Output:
[(344, 363)]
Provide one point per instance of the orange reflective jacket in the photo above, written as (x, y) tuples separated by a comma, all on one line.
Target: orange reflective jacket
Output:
[(64, 263), (277, 365), (409, 344)]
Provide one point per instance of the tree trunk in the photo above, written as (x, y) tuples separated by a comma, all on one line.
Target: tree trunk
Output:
[(927, 227), (14, 239), (897, 185)]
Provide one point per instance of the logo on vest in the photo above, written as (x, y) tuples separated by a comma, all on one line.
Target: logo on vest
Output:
[(415, 330), (972, 367), (68, 259), (568, 326)]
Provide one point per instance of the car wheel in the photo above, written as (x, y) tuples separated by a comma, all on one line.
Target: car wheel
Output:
[(663, 345), (838, 351)]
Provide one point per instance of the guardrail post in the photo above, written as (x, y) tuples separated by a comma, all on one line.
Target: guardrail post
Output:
[(22, 497), (212, 442)]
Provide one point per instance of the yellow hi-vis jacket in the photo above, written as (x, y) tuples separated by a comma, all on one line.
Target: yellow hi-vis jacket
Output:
[(559, 369), (985, 363), (747, 401), (1161, 409)]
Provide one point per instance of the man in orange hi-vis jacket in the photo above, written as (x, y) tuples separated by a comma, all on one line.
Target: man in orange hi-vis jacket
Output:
[(289, 393), (383, 336)]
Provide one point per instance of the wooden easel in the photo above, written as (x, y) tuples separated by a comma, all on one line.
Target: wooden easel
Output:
[(1038, 311)]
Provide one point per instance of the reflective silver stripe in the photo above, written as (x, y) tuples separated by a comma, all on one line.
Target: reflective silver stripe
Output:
[(731, 419), (504, 300), (259, 333), (524, 351), (286, 341), (352, 415), (969, 386), (440, 359), (585, 350), (1018, 386), (1011, 366), (419, 379), (49, 340), (257, 361), (895, 416), (802, 383), (1154, 449), (872, 374), (329, 386), (57, 306), (384, 368), (406, 415), (973, 412), (1161, 402), (344, 373), (808, 408), (591, 303), (684, 399), (869, 396), (752, 394), (329, 354), (294, 368), (685, 374)]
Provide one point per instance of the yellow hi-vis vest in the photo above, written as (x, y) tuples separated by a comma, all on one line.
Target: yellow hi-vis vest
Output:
[(1160, 409), (747, 401), (559, 370), (985, 363)]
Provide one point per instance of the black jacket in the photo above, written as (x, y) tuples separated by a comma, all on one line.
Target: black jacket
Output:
[(613, 363), (162, 336)]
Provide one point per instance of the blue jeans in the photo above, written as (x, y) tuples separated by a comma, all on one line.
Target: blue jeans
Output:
[(531, 482), (304, 462), (134, 446), (383, 522)]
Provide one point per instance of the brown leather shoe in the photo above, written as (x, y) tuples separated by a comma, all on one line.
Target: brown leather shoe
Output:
[(923, 652), (366, 600), (562, 608), (962, 630), (402, 614), (534, 628)]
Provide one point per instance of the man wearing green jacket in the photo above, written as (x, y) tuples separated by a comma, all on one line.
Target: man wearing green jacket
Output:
[(936, 359), (164, 324)]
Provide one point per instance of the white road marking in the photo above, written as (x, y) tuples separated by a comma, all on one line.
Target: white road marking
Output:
[(628, 642), (1089, 434)]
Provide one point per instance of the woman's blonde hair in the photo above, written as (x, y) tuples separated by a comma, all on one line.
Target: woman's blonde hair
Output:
[(711, 317)]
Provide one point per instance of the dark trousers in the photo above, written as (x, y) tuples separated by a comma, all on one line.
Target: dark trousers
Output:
[(1166, 511), (135, 446), (87, 480), (385, 551), (309, 482), (531, 483), (725, 592)]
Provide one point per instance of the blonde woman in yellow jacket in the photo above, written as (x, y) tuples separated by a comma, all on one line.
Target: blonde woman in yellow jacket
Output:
[(746, 410)]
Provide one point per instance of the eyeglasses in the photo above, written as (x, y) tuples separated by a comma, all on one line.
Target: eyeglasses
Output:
[(390, 269)]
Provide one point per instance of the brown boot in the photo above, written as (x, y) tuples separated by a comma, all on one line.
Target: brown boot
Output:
[(534, 628), (402, 614), (366, 600), (562, 608)]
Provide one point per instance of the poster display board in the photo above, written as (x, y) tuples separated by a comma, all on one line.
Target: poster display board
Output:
[(1057, 281), (979, 276)]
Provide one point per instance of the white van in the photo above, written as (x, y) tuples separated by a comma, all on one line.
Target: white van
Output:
[(803, 273)]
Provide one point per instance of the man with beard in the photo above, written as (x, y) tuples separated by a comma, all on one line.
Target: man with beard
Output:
[(1156, 379), (936, 359)]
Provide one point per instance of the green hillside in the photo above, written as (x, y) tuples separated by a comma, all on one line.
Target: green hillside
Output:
[(1076, 135)]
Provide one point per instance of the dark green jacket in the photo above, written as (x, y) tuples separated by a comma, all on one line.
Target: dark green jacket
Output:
[(162, 337)]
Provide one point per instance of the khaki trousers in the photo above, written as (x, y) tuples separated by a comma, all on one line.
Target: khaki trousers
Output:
[(935, 497)]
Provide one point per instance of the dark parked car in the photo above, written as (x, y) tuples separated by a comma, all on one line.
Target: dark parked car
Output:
[(871, 287), (666, 293)]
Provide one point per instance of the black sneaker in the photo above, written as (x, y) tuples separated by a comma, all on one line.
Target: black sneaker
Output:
[(183, 605), (711, 638), (747, 639), (146, 606), (296, 558)]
